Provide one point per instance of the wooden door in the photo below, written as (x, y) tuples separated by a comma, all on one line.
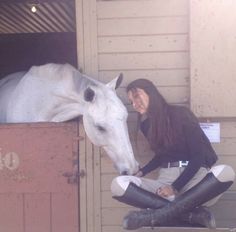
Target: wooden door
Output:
[(38, 166)]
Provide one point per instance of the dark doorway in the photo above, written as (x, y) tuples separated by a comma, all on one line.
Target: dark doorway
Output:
[(27, 38), (19, 52)]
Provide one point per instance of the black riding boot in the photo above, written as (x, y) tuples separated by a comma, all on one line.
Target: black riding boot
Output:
[(141, 198), (200, 216), (208, 188)]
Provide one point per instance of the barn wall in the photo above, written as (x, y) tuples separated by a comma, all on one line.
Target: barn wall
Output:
[(212, 78), (142, 39), (89, 161), (213, 46)]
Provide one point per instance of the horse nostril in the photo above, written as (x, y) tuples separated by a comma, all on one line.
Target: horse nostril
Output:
[(124, 173)]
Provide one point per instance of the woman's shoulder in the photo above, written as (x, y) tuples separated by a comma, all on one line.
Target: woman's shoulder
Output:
[(181, 110), (183, 113)]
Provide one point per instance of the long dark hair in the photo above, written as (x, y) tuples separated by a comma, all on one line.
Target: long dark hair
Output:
[(161, 132)]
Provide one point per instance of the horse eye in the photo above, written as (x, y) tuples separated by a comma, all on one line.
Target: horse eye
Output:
[(101, 129)]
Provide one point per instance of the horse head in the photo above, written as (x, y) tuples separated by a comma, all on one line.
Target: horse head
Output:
[(105, 123), (58, 93)]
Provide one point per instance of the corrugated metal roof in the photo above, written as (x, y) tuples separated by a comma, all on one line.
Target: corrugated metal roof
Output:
[(50, 16)]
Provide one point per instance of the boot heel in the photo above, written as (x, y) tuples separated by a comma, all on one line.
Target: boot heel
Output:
[(201, 216)]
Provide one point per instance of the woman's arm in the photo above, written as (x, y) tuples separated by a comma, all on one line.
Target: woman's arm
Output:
[(152, 165), (195, 142)]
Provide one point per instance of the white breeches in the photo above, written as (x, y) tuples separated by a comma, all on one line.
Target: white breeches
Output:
[(167, 176)]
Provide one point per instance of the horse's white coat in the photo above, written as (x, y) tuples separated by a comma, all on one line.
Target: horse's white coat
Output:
[(56, 93)]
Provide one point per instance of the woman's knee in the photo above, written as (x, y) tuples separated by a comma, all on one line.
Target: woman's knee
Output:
[(223, 172), (120, 183)]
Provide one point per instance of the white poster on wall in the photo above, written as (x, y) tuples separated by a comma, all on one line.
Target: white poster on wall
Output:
[(212, 131)]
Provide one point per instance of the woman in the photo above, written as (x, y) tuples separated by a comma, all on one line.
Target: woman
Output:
[(183, 155)]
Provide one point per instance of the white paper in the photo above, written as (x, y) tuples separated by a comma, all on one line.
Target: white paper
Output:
[(212, 131)]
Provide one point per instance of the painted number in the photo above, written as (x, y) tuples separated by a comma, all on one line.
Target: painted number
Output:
[(10, 160)]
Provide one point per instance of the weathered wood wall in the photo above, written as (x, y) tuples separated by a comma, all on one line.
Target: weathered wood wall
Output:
[(142, 39), (213, 46)]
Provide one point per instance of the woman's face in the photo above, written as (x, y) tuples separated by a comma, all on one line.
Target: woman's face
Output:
[(139, 99)]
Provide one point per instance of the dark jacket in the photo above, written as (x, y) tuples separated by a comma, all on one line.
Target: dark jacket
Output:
[(191, 145)]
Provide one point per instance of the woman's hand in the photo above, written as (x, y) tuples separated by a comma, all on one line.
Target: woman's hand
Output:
[(166, 191)]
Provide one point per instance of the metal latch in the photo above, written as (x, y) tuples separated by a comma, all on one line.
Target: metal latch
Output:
[(73, 177)]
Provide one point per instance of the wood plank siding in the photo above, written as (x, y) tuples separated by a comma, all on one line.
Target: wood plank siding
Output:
[(146, 39), (35, 194), (213, 46), (150, 39), (142, 39)]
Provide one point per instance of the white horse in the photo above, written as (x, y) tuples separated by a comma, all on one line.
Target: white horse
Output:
[(58, 93)]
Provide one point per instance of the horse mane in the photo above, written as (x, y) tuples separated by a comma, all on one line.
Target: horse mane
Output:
[(58, 71), (51, 71)]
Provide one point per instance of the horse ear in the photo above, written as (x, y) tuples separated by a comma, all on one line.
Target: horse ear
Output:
[(89, 95), (115, 83)]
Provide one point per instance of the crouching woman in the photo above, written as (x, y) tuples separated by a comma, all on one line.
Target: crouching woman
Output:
[(188, 182)]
